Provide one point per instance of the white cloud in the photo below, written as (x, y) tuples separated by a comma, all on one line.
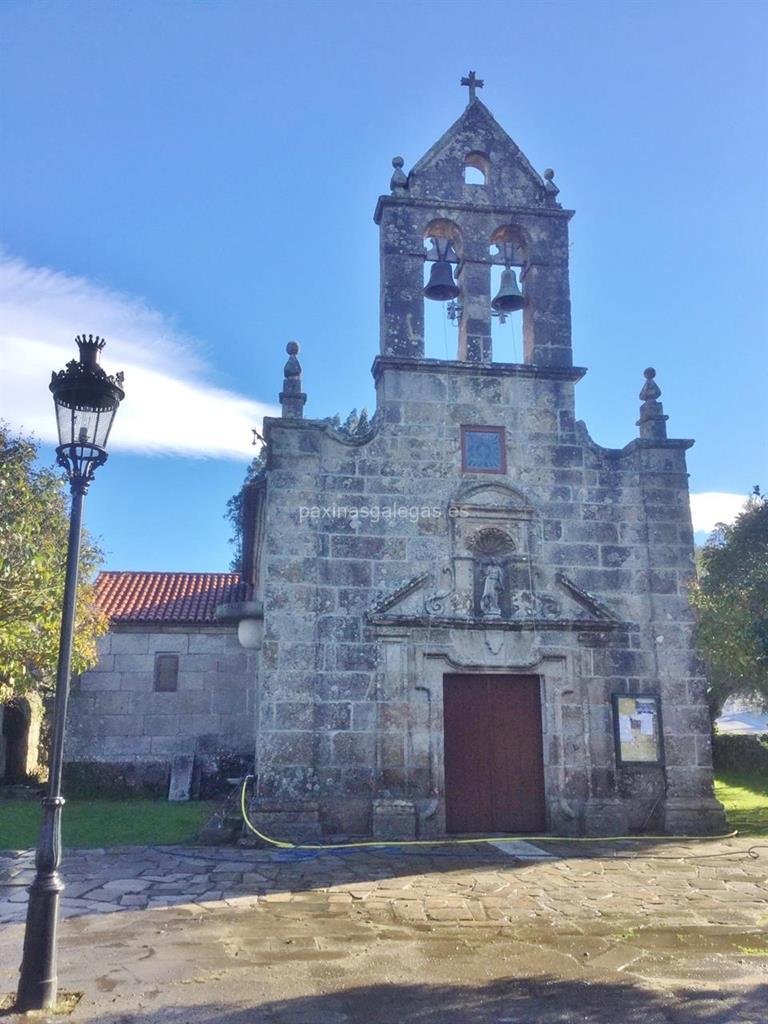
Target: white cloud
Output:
[(170, 406), (712, 507)]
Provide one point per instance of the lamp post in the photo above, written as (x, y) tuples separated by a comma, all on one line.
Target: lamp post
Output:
[(86, 401)]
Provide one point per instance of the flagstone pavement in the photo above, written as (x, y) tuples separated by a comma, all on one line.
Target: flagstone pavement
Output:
[(651, 932)]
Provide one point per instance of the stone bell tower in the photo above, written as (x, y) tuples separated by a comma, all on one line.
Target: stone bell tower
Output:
[(474, 616), (512, 219)]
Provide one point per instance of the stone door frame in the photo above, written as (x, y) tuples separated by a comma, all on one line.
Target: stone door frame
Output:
[(413, 666)]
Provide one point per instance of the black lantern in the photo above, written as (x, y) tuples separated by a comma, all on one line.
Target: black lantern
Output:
[(86, 401)]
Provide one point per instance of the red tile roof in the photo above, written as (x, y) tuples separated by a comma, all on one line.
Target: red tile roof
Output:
[(166, 596)]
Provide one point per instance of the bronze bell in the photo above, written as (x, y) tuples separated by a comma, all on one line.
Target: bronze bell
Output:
[(509, 297), (441, 285)]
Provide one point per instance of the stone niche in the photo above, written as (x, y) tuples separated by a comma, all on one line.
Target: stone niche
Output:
[(491, 552)]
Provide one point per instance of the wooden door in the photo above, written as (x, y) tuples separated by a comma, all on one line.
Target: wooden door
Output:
[(494, 769)]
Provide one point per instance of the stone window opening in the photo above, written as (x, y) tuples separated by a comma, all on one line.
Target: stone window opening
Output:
[(476, 169), (166, 673)]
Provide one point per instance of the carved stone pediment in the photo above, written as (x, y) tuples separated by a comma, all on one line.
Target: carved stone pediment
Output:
[(490, 579), (426, 600), (406, 596)]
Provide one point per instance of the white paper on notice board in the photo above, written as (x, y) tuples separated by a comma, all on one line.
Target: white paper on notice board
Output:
[(646, 724)]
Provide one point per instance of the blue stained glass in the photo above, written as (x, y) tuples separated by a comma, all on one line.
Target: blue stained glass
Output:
[(483, 450)]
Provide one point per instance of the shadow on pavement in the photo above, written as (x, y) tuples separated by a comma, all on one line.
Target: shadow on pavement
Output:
[(521, 1001)]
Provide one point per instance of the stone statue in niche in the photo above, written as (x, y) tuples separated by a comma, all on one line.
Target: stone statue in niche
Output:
[(493, 588), (492, 549)]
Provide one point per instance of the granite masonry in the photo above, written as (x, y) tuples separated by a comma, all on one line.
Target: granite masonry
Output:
[(463, 615), (171, 684), (474, 617)]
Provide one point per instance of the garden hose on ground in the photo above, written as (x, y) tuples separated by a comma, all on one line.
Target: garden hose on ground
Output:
[(284, 845)]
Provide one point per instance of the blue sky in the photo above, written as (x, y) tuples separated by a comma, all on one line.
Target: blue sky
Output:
[(196, 182)]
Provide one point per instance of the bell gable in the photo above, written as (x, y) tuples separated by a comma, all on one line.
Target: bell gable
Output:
[(477, 140)]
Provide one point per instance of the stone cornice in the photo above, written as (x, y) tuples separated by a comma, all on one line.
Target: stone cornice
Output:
[(452, 204), (566, 373), (666, 442), (432, 622), (234, 611)]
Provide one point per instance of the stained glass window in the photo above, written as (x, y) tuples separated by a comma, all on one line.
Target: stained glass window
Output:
[(482, 449)]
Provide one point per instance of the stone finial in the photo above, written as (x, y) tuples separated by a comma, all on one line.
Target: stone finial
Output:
[(399, 180), (652, 422), (551, 191), (292, 398)]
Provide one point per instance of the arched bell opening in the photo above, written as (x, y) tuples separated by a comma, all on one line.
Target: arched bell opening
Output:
[(443, 252), (506, 324), (477, 168), (509, 256)]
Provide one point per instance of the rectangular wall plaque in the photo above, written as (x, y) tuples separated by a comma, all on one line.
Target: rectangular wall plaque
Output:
[(637, 728)]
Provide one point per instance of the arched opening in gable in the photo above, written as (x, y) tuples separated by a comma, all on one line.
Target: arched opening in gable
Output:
[(477, 168)]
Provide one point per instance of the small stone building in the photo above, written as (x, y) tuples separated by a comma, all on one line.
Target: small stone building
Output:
[(474, 616), (171, 681)]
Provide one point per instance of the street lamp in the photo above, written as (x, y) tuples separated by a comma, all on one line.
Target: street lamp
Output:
[(86, 401)]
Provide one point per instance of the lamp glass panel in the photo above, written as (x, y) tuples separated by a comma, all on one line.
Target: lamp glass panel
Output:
[(79, 425)]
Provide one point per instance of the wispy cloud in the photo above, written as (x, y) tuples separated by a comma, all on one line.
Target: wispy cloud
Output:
[(170, 406), (712, 507)]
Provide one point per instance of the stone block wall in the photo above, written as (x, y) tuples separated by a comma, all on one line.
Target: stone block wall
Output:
[(116, 717), (365, 612)]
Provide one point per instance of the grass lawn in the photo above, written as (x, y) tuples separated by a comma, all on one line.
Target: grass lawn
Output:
[(106, 822), (124, 822), (745, 798)]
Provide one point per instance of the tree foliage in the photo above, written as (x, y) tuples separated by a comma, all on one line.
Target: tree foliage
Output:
[(356, 425), (34, 528), (731, 598), (236, 506)]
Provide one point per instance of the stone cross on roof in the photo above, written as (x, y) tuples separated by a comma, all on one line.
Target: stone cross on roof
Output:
[(474, 83)]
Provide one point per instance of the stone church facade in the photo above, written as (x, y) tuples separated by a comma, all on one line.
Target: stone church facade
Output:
[(466, 616), (475, 617)]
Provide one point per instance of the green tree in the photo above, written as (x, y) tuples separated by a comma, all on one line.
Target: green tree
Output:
[(34, 526), (731, 599), (236, 506)]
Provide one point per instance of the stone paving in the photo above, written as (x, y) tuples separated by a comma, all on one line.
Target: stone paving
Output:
[(641, 923)]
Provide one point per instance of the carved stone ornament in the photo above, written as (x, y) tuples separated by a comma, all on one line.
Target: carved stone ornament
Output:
[(439, 602), (491, 541)]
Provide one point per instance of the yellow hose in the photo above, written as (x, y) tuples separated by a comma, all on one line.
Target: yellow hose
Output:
[(282, 845)]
